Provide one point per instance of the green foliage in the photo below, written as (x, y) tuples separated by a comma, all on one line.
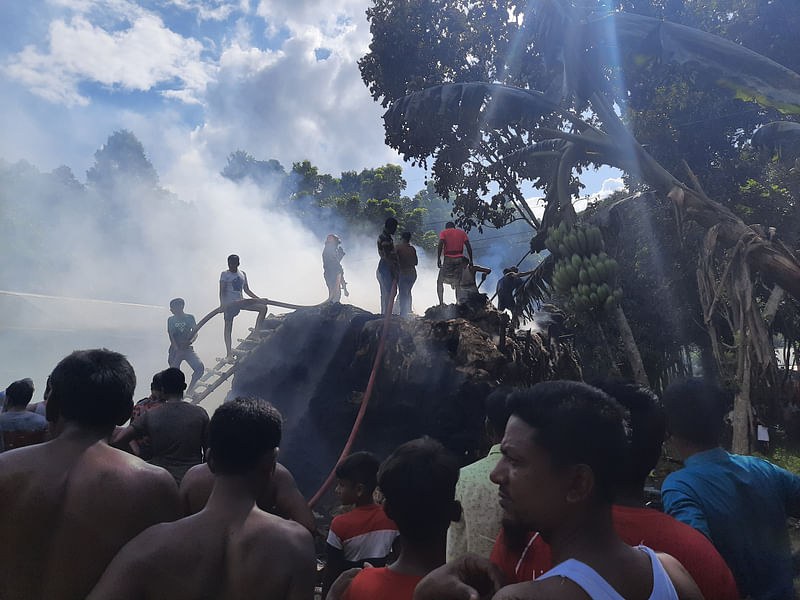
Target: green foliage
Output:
[(359, 202)]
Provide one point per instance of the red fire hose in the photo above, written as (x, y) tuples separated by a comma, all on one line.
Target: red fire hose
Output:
[(364, 402)]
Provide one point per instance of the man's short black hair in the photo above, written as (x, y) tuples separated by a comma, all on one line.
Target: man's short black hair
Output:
[(360, 467), (173, 381), (577, 424), (497, 412), (406, 235), (241, 432), (418, 481), (449, 225), (158, 382), (233, 257), (390, 222), (647, 423), (175, 302), (695, 410), (19, 393), (93, 388)]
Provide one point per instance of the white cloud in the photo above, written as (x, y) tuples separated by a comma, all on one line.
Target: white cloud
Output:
[(139, 57), (288, 105), (211, 10)]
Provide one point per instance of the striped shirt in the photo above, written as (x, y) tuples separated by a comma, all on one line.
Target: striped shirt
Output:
[(362, 534)]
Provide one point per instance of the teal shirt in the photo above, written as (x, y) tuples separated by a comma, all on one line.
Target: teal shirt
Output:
[(740, 503), (180, 329)]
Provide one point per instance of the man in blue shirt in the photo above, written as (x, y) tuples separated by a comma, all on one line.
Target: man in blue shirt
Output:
[(739, 502)]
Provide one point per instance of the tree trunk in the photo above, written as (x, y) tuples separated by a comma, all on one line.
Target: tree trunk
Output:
[(741, 405), (631, 349)]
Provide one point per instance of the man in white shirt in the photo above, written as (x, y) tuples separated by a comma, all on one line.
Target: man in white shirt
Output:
[(231, 285)]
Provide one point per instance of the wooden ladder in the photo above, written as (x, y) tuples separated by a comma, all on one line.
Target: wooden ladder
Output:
[(225, 367)]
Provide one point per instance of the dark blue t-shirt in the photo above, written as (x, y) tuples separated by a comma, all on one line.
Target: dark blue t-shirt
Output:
[(740, 503)]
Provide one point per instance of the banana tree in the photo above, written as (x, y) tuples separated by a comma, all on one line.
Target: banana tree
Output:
[(476, 131)]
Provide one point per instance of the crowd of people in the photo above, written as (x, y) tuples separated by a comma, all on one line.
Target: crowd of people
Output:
[(177, 505)]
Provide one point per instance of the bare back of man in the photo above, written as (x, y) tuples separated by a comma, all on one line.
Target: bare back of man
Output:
[(229, 550), (281, 497), (69, 505)]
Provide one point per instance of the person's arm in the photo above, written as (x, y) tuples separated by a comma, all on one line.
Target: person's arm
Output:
[(467, 578), (468, 246), (439, 249), (416, 260), (246, 288), (290, 502), (204, 440), (679, 504), (684, 585), (172, 343), (790, 487), (122, 578), (334, 566), (124, 436), (304, 568), (339, 587), (221, 290)]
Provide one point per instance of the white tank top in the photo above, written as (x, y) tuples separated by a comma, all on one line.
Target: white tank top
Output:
[(599, 589)]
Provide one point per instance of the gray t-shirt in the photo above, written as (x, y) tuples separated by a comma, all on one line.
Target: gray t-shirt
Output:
[(178, 434), (232, 286)]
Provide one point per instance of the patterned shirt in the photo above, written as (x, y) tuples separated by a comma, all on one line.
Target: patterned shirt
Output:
[(387, 251), (481, 518)]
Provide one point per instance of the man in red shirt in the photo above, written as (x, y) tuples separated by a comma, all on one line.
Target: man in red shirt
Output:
[(452, 242), (525, 555)]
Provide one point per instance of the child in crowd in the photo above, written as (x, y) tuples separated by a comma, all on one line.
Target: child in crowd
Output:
[(365, 534), (419, 483)]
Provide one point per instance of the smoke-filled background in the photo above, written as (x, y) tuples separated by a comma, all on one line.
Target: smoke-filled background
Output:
[(117, 122)]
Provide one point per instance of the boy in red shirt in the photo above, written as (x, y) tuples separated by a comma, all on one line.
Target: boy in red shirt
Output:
[(365, 534), (419, 483)]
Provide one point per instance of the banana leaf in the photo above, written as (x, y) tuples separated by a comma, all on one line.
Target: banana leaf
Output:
[(747, 74), (779, 137)]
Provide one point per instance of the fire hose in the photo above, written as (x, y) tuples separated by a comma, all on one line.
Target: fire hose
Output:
[(363, 409), (246, 304)]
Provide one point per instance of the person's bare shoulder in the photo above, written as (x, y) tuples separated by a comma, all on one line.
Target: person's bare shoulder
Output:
[(684, 585), (145, 553), (195, 488), (128, 477), (545, 589)]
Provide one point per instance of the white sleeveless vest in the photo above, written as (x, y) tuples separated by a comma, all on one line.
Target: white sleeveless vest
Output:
[(599, 589)]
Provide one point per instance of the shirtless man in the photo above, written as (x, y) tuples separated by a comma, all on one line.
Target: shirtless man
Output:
[(560, 466), (70, 504), (280, 498), (231, 548)]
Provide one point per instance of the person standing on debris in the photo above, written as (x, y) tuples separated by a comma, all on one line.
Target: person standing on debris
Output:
[(332, 269), (180, 328), (407, 255), (507, 287), (231, 285), (389, 264), (466, 289), (452, 242)]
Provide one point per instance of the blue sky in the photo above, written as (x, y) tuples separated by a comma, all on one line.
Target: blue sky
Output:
[(194, 80)]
